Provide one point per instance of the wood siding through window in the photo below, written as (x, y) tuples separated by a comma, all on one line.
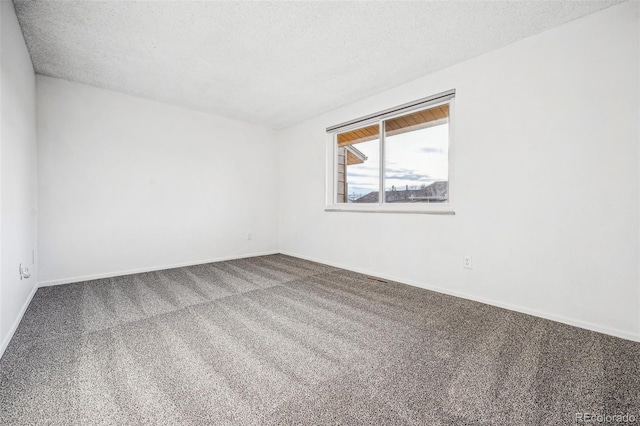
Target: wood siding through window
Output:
[(406, 123)]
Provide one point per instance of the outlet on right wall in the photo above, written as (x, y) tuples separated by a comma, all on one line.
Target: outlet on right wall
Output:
[(545, 167)]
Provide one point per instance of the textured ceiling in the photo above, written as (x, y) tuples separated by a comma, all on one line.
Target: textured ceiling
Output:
[(271, 63)]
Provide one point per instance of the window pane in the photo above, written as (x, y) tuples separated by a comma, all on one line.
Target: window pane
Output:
[(417, 157), (358, 168)]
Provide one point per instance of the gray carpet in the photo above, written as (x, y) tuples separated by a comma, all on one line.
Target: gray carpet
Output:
[(279, 340)]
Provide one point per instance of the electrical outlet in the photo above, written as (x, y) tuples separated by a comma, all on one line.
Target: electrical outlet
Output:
[(248, 236), (467, 262), (24, 272)]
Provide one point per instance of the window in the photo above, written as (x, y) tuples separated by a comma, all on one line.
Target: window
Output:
[(394, 160)]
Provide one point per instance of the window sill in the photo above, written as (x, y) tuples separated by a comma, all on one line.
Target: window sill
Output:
[(411, 209)]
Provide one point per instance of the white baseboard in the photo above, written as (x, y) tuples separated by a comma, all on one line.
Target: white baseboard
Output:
[(553, 317), (70, 280), (16, 322)]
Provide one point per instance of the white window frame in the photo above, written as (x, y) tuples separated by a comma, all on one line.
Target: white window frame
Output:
[(379, 118)]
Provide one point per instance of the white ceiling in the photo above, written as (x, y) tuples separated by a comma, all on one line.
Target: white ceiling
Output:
[(271, 63)]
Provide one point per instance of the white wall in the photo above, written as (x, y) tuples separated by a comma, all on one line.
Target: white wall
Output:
[(127, 184), (547, 186), (18, 176)]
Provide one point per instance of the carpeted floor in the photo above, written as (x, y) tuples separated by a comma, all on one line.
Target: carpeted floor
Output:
[(279, 340)]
